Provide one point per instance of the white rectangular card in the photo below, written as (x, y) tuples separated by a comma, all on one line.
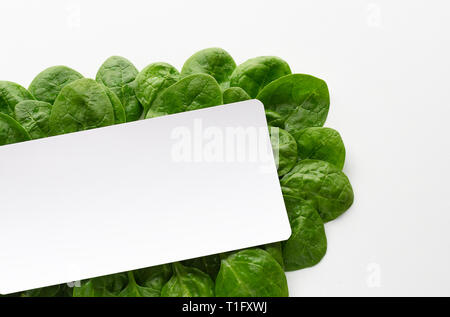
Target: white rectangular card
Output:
[(136, 195)]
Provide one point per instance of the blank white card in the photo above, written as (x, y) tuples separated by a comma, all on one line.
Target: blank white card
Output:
[(136, 195)]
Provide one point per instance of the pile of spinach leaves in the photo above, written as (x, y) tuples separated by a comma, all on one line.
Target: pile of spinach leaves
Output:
[(310, 158)]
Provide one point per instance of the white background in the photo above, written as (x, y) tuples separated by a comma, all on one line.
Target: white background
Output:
[(387, 66)]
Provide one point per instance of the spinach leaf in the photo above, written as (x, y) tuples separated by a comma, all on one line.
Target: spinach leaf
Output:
[(308, 242), (61, 290), (10, 95), (295, 102), (188, 282), (119, 74), (153, 80), (251, 273), (81, 105), (190, 93), (105, 286), (116, 72), (147, 282), (132, 106), (140, 283), (34, 115), (119, 111), (323, 184), (254, 74), (47, 85), (208, 264), (234, 94), (11, 131), (284, 149), (323, 144), (153, 278), (212, 61), (276, 251)]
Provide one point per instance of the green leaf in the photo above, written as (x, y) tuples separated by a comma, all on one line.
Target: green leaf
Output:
[(140, 283), (276, 251), (153, 278), (11, 131), (188, 282), (254, 74), (323, 144), (52, 291), (284, 149), (119, 74), (192, 92), (119, 111), (116, 72), (251, 273), (308, 242), (152, 81), (105, 286), (295, 102), (132, 106), (208, 264), (322, 183), (81, 105), (10, 95), (147, 282), (234, 94), (212, 61), (47, 85), (34, 116)]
